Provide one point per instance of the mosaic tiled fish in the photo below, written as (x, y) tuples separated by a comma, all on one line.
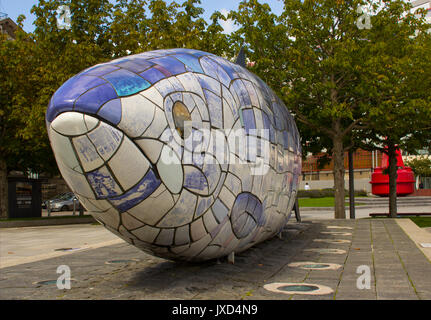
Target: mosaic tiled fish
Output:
[(113, 126)]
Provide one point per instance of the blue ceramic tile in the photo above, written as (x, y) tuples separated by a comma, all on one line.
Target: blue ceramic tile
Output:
[(209, 84), (100, 70), (163, 70), (214, 108), (190, 61), (248, 118), (137, 194), (111, 111), (285, 139), (126, 83), (152, 75), (92, 100), (103, 183), (171, 64), (195, 180), (242, 93), (64, 97), (135, 65)]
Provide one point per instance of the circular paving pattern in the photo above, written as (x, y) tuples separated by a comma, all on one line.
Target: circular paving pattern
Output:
[(338, 233), (339, 227), (332, 240), (315, 265), (326, 250), (49, 282), (298, 288)]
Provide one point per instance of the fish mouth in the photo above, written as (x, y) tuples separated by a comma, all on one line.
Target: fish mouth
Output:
[(102, 165)]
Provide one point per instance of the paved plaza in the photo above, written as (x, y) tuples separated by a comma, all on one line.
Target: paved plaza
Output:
[(104, 267)]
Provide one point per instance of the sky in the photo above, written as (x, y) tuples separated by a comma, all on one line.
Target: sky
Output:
[(16, 7)]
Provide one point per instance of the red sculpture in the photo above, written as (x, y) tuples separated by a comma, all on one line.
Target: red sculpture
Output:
[(380, 181)]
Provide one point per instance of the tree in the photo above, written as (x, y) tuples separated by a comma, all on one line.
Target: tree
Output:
[(35, 65), (324, 63), (398, 78), (421, 166)]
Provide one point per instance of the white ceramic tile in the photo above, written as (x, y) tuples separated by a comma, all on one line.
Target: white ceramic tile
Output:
[(226, 197), (151, 148), (110, 218), (200, 104), (197, 247), (188, 101), (233, 183), (182, 235), (154, 95), (87, 204), (90, 122), (157, 126), (70, 124), (103, 205), (76, 181), (197, 229), (130, 222), (210, 252), (106, 139), (224, 236), (180, 249), (136, 115), (146, 233), (228, 117), (152, 209), (63, 150), (126, 235), (190, 83), (227, 95), (182, 213), (170, 169), (165, 237), (128, 165), (87, 154)]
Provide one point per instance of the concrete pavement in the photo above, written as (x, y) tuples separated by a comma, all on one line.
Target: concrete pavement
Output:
[(396, 268)]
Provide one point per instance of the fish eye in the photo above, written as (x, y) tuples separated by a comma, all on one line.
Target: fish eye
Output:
[(181, 114)]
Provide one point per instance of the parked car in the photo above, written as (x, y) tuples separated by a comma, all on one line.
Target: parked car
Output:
[(63, 202)]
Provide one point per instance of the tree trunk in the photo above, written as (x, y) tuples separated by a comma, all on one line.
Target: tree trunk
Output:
[(351, 186), (3, 190), (338, 158), (392, 180)]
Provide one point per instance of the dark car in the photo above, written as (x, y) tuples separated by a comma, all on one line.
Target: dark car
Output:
[(62, 202)]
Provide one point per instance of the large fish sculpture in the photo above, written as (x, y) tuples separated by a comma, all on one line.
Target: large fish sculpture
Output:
[(179, 152)]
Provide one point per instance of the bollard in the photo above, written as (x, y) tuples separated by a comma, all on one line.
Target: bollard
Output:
[(74, 206)]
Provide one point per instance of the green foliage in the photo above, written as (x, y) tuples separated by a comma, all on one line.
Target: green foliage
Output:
[(420, 166), (345, 84), (35, 65)]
